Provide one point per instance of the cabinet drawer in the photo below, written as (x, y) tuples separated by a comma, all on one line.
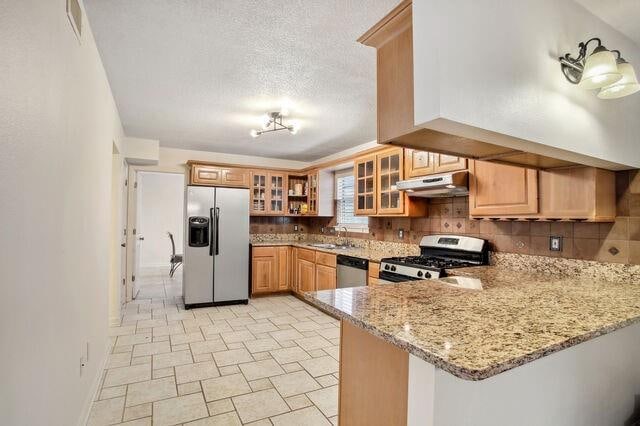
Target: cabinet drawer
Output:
[(306, 254), (206, 175), (235, 177), (326, 259), (264, 251)]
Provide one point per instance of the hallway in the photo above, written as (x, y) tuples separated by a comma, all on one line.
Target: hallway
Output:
[(274, 361)]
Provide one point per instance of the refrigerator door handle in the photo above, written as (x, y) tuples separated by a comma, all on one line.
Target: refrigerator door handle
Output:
[(211, 232), (217, 231)]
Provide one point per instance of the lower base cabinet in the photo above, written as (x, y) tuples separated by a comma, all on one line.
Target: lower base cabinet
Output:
[(315, 270), (270, 270), (325, 277)]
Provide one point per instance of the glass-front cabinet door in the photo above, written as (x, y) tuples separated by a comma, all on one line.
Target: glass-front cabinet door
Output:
[(313, 193), (276, 188), (258, 192), (390, 167), (365, 185)]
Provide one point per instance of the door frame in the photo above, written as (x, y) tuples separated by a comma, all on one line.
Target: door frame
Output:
[(132, 218)]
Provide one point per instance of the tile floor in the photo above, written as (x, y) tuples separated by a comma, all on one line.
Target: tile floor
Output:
[(274, 361)]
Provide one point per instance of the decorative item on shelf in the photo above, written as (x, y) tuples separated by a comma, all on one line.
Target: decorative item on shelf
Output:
[(298, 189), (615, 77), (291, 192), (304, 208), (273, 122)]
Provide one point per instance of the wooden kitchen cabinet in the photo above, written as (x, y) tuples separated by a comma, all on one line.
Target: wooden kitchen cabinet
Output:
[(389, 171), (499, 190), (365, 185), (277, 193), (325, 277), (258, 192), (423, 163), (268, 193), (270, 269), (264, 269), (202, 174), (305, 275), (312, 181), (373, 275)]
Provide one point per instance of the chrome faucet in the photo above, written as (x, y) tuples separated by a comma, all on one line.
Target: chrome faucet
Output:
[(345, 241)]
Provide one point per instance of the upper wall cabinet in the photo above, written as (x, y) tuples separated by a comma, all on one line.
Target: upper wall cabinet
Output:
[(393, 39), (202, 174), (421, 163), (376, 176), (577, 193)]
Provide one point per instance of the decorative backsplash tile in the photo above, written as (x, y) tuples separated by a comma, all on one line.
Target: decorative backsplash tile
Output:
[(617, 242)]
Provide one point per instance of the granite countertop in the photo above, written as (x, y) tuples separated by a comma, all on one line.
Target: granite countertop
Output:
[(517, 316), (360, 252)]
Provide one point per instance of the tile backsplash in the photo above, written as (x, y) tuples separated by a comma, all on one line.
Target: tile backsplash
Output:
[(617, 242)]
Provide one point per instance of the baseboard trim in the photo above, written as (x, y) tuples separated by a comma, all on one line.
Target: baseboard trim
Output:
[(114, 321), (95, 388)]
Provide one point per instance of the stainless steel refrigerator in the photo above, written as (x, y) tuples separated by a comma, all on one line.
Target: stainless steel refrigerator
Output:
[(216, 255)]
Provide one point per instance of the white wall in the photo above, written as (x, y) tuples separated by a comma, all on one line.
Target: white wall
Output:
[(494, 65), (160, 209), (57, 124), (141, 151)]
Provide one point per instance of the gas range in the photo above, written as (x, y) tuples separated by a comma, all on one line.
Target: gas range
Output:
[(437, 253)]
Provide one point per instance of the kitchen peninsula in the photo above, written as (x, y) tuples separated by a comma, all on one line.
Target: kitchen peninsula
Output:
[(531, 347)]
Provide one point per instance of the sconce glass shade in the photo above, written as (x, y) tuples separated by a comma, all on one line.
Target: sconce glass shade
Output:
[(600, 70), (627, 85)]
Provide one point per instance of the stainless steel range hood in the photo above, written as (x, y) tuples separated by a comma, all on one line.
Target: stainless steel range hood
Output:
[(444, 185)]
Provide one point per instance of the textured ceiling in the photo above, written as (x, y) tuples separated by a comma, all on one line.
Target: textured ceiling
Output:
[(623, 15), (198, 74)]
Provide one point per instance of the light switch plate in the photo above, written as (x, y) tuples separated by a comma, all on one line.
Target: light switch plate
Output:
[(555, 243), (401, 233), (295, 228)]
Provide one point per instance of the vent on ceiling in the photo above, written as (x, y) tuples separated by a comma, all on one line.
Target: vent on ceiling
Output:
[(74, 12)]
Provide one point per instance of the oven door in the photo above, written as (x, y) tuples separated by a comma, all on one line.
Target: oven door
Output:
[(385, 277)]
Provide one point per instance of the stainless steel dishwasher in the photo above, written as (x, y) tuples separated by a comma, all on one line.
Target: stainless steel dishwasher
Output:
[(352, 271)]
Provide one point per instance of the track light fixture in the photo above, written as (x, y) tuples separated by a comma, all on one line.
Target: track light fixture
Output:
[(600, 69)]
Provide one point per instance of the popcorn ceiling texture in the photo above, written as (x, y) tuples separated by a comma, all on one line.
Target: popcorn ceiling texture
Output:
[(617, 242)]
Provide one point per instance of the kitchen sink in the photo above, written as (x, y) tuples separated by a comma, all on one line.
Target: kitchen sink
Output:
[(328, 246)]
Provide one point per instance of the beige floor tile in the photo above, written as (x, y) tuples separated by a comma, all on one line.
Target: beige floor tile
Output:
[(311, 343), (230, 369), (181, 339), (240, 321), (333, 351), (125, 375), (221, 406), (122, 331), (137, 412), (320, 366), (167, 330), (119, 360), (263, 314), (154, 390), (217, 328), (291, 367), (139, 422), (259, 405), (202, 357), (260, 384), (133, 339), (284, 335), (151, 348), (226, 419), (179, 410), (285, 319), (329, 333), (150, 323), (261, 369), (309, 416), (261, 345), (294, 383), (326, 381), (189, 388), (298, 401), (192, 372), (208, 346), (141, 360), (163, 372), (261, 356), (225, 387), (233, 356), (183, 347), (263, 422), (326, 400), (306, 326), (106, 412), (237, 336), (261, 327), (287, 355), (334, 420), (113, 392), (172, 359)]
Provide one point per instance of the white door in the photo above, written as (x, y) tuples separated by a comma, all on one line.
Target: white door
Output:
[(123, 240)]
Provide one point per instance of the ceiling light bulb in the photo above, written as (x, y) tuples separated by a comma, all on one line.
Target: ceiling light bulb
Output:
[(600, 70), (254, 133), (627, 85), (266, 121)]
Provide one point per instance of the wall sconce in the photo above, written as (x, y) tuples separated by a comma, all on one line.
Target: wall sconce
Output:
[(615, 77)]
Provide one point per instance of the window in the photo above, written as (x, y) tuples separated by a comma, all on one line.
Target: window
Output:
[(345, 203)]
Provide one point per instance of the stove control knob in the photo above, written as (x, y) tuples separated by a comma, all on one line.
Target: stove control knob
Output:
[(393, 268), (419, 274), (386, 267), (427, 275)]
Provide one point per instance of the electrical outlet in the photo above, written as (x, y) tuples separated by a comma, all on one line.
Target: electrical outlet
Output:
[(401, 233), (555, 243), (295, 228), (322, 229), (83, 363)]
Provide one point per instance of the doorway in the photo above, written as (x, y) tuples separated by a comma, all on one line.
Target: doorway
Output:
[(159, 219)]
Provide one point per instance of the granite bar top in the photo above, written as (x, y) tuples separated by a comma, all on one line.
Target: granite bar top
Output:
[(517, 316), (373, 255)]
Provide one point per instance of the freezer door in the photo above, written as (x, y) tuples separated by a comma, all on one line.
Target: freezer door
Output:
[(198, 259), (231, 267)]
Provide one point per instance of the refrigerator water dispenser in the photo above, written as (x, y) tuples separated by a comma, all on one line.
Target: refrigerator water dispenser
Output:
[(198, 231)]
